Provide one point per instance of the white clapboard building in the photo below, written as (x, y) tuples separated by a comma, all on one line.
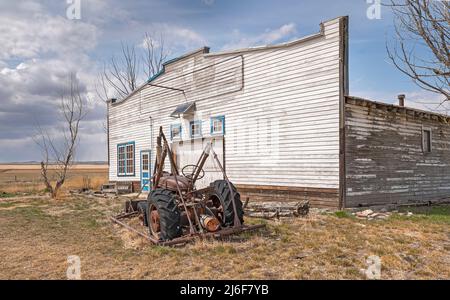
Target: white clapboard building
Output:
[(276, 116)]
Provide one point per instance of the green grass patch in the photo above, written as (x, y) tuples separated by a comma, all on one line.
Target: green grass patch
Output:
[(343, 214), (435, 214), (7, 204), (7, 195)]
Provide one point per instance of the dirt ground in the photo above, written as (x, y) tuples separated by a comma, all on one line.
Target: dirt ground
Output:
[(38, 234)]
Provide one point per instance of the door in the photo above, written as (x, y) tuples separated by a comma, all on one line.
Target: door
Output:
[(145, 171)]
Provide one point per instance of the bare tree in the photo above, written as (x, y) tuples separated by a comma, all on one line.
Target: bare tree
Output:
[(421, 48), (59, 153), (155, 54), (121, 75)]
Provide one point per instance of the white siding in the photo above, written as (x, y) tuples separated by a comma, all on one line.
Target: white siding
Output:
[(282, 119)]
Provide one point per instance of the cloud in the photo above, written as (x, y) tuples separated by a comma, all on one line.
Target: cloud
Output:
[(427, 101), (208, 2), (239, 40), (177, 39), (37, 52), (48, 35)]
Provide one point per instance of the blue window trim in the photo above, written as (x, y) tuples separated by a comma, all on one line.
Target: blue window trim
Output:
[(222, 118), (190, 128), (173, 126), (134, 159), (149, 168)]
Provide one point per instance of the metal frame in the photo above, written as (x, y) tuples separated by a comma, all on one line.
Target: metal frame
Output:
[(184, 239)]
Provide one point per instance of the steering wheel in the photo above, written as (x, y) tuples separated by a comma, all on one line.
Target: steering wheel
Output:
[(188, 173)]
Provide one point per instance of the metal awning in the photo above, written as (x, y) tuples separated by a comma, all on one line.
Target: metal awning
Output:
[(184, 108)]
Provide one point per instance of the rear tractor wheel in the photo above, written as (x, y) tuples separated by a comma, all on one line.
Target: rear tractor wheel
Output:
[(163, 215), (222, 200)]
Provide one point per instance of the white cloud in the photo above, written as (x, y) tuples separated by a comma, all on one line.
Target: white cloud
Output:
[(284, 31), (176, 38), (48, 35), (240, 40), (37, 52), (427, 101)]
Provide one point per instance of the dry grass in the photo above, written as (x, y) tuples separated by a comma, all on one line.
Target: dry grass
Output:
[(17, 179), (39, 234)]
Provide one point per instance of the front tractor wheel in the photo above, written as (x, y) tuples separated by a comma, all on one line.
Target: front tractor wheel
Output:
[(222, 200), (163, 215)]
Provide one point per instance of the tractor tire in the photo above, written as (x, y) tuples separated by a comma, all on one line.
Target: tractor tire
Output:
[(142, 208), (169, 214), (221, 191)]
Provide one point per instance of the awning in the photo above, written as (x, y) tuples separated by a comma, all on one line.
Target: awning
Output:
[(184, 108)]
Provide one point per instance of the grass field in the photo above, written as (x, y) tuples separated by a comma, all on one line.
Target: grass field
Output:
[(38, 234), (26, 179)]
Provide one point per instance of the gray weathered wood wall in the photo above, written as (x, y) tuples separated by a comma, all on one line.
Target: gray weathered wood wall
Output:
[(385, 162)]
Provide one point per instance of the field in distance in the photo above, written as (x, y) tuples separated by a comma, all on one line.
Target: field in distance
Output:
[(26, 178)]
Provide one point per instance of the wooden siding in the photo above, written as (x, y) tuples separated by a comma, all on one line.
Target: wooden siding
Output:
[(385, 162), (318, 197), (281, 109)]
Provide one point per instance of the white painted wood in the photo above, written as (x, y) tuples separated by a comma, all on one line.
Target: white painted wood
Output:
[(281, 108)]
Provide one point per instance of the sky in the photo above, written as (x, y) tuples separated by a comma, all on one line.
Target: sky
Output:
[(41, 43)]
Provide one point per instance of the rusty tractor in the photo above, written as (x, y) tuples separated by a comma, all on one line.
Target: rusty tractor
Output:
[(175, 212)]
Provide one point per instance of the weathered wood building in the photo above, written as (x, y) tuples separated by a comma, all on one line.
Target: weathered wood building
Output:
[(395, 154), (280, 120)]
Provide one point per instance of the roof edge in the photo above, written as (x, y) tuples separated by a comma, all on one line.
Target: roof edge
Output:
[(203, 50), (268, 47), (389, 105), (306, 38)]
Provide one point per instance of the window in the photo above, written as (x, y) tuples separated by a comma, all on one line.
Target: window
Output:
[(125, 159), (145, 162), (218, 125), (196, 129), (426, 142), (175, 131)]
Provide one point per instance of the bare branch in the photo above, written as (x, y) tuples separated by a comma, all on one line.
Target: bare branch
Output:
[(422, 25)]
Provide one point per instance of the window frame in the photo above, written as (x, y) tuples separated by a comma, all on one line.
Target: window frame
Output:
[(429, 141), (191, 133), (125, 160), (172, 126), (221, 118)]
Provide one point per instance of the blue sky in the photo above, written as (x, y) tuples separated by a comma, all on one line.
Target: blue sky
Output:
[(39, 45)]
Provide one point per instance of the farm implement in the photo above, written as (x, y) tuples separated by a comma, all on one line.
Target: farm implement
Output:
[(175, 212)]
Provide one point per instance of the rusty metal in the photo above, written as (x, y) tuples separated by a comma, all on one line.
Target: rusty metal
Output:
[(186, 239), (211, 224), (216, 235), (154, 225), (146, 236)]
